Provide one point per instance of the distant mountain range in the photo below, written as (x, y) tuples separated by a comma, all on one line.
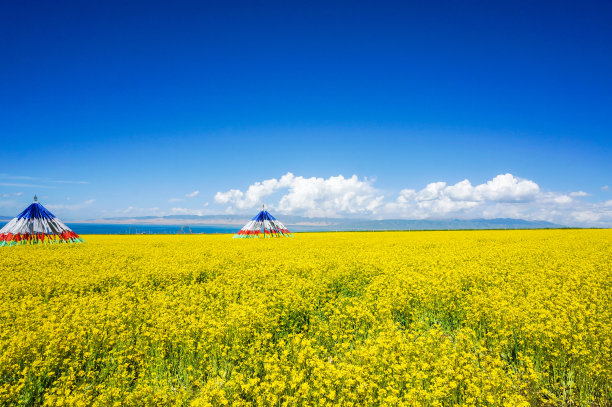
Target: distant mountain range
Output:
[(299, 223)]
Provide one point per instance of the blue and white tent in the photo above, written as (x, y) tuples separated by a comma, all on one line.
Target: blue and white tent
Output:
[(263, 225), (36, 225)]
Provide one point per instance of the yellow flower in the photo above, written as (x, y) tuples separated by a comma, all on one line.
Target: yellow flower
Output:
[(513, 318)]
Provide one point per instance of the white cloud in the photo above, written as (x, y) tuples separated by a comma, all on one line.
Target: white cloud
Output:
[(172, 200), (503, 196), (255, 194), (605, 188), (562, 199), (313, 196), (231, 196), (438, 199), (192, 194), (597, 214), (186, 211), (579, 193), (502, 188), (552, 198)]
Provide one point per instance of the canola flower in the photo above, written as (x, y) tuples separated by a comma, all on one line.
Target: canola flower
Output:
[(475, 318)]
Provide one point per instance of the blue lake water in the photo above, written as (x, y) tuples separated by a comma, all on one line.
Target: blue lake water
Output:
[(108, 229)]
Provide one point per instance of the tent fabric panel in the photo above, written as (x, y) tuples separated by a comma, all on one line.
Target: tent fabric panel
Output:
[(35, 211)]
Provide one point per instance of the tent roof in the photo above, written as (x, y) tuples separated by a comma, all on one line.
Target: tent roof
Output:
[(35, 211), (263, 215)]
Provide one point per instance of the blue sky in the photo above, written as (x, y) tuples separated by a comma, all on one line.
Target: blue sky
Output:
[(129, 108)]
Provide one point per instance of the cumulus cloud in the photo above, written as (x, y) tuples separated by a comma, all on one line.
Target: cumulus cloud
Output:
[(438, 199), (503, 196), (502, 188), (233, 196), (333, 196), (605, 188), (256, 192)]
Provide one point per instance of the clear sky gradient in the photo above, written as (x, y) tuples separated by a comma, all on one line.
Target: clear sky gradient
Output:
[(129, 108)]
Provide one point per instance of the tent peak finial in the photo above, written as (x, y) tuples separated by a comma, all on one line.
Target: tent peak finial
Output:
[(35, 198)]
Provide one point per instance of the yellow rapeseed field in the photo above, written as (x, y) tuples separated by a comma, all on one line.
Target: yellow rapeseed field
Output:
[(474, 318)]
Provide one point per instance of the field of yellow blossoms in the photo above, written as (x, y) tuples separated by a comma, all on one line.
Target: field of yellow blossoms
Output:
[(474, 318)]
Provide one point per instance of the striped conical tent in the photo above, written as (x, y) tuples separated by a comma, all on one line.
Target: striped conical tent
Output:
[(36, 225), (263, 225)]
